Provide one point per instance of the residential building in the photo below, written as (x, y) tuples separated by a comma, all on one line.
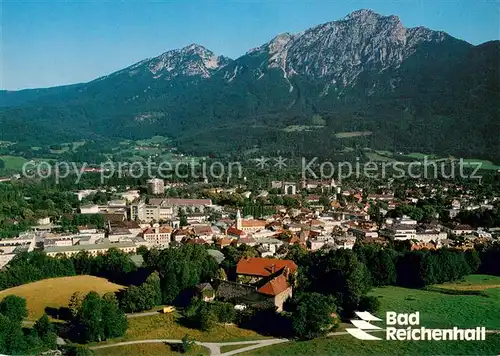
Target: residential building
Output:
[(158, 236), (156, 186), (159, 209), (89, 209), (250, 225), (257, 268), (92, 249)]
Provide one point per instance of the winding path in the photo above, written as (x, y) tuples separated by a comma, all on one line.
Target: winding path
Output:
[(214, 347)]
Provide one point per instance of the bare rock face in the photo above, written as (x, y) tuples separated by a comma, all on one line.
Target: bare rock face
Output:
[(191, 61), (339, 51)]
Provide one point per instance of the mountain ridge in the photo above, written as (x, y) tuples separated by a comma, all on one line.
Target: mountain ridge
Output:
[(414, 88)]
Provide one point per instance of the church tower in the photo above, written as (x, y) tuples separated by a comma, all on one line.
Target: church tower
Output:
[(239, 224)]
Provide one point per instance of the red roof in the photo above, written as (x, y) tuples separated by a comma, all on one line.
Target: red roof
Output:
[(162, 230), (275, 286), (263, 267), (253, 223), (224, 242), (236, 232), (203, 230)]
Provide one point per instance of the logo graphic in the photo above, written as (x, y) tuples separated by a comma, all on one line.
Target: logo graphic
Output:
[(362, 325), (406, 327)]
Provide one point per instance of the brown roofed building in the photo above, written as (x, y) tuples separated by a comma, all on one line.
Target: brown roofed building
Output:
[(263, 267), (275, 286), (234, 232)]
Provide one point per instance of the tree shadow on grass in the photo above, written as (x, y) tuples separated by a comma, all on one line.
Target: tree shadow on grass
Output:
[(62, 313)]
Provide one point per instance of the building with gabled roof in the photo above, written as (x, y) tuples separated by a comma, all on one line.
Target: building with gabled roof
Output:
[(258, 267)]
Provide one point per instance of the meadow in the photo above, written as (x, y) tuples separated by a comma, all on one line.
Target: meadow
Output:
[(386, 156), (352, 134), (56, 292), (156, 349), (13, 162), (437, 310), (169, 326)]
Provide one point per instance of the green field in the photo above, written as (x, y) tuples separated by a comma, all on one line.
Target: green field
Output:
[(484, 164), (155, 140), (386, 156), (302, 128), (352, 134), (420, 156), (474, 282), (13, 162), (346, 345), (157, 349), (375, 156), (437, 310), (168, 326)]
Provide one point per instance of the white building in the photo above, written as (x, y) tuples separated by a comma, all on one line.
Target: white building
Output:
[(158, 236), (89, 209), (9, 248), (92, 249), (156, 186)]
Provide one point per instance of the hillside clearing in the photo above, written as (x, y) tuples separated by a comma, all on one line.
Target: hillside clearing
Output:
[(352, 134), (56, 292)]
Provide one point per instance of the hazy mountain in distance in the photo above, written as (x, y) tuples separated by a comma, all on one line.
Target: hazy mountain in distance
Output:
[(413, 88)]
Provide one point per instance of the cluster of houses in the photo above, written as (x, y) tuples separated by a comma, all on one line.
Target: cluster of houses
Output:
[(132, 222)]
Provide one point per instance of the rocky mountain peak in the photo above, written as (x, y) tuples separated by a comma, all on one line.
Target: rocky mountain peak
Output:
[(339, 51), (191, 60), (362, 15)]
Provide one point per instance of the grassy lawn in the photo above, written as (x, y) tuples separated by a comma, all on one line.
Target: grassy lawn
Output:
[(77, 144), (56, 292), (13, 162), (148, 349), (384, 153), (484, 163), (347, 345), (442, 310), (302, 128), (228, 348), (167, 326), (153, 140), (352, 134), (474, 282), (420, 156), (374, 156), (437, 310)]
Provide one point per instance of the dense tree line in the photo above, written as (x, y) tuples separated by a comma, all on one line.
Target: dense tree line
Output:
[(348, 275), (204, 316), (181, 269), (416, 269), (98, 318), (258, 210), (339, 274), (34, 266), (143, 297), (15, 340), (313, 315)]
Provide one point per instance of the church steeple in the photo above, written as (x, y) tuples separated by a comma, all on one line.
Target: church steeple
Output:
[(239, 224)]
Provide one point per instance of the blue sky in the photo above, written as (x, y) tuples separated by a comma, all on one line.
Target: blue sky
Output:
[(47, 43)]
